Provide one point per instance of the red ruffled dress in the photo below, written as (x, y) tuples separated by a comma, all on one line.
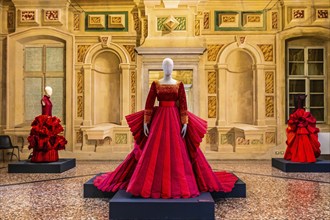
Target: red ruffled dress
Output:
[(44, 136), (302, 139), (165, 165)]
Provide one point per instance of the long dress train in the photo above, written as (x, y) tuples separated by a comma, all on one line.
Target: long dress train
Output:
[(165, 165)]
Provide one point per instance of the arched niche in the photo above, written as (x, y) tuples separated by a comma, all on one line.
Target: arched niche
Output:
[(240, 87), (106, 88), (110, 63)]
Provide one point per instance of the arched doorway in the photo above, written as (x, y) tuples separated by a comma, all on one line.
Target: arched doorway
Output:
[(106, 81), (240, 87)]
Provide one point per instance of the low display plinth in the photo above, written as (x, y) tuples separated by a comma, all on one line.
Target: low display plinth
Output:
[(239, 191), (125, 206), (90, 191), (320, 166), (52, 167)]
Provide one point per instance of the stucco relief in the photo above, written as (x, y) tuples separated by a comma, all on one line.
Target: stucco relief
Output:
[(206, 20), (267, 50), (80, 82), (270, 137), (131, 51), (80, 106), (322, 13), (121, 138), (79, 137), (133, 82), (136, 22), (274, 20), (212, 106), (212, 51), (197, 27), (298, 13), (269, 106), (10, 20), (212, 82), (76, 22), (81, 52), (269, 82), (133, 104)]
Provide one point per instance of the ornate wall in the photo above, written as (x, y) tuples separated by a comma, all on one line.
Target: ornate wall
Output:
[(233, 51)]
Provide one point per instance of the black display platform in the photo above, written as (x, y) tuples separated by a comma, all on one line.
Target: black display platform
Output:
[(320, 166), (90, 191), (53, 167), (239, 191), (124, 206)]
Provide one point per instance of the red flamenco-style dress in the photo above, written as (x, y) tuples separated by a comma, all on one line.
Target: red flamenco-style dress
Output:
[(165, 165), (44, 138), (302, 139)]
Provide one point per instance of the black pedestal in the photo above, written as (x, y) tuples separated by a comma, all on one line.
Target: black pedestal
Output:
[(53, 167), (124, 206), (289, 166), (239, 191), (90, 191)]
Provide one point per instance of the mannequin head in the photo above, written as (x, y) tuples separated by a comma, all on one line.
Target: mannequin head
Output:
[(48, 91), (168, 66)]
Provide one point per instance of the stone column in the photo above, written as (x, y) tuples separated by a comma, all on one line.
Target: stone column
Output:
[(125, 97), (259, 106), (87, 95), (222, 81)]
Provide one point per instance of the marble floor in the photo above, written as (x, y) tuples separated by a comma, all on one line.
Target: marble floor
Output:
[(271, 193)]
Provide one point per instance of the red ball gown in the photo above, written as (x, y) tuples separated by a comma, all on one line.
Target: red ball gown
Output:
[(44, 136), (165, 165), (302, 139)]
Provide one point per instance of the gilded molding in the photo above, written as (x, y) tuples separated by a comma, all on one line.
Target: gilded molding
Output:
[(274, 20), (80, 106), (269, 102), (254, 18), (267, 50), (212, 51), (212, 82), (197, 27), (131, 51), (269, 82), (76, 22), (121, 138), (212, 106), (270, 137), (81, 52), (206, 20)]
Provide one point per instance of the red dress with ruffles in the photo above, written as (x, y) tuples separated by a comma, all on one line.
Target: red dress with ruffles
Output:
[(165, 165), (44, 136), (302, 139)]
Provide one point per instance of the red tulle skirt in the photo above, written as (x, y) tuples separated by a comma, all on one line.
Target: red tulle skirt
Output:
[(302, 139), (165, 165)]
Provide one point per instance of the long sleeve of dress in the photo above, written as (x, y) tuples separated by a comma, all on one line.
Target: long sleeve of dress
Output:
[(150, 103), (183, 104)]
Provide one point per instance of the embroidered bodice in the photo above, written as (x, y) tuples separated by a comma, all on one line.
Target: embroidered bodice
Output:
[(167, 93)]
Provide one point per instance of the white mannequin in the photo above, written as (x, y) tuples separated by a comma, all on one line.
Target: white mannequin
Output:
[(49, 92), (167, 66)]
